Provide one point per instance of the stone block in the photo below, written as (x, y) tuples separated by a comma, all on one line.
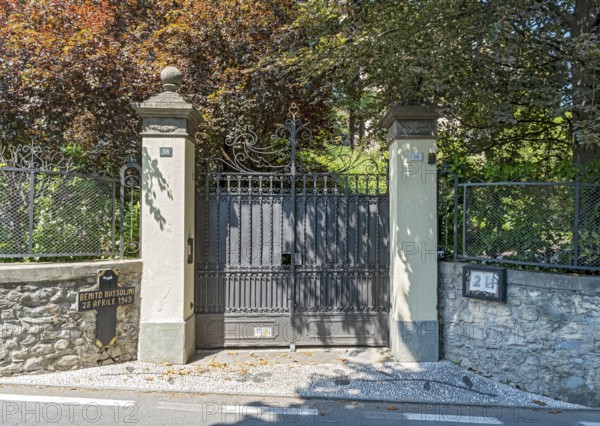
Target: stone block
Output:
[(573, 382), (42, 349), (66, 362), (11, 344), (29, 340), (11, 369), (33, 364), (61, 345), (42, 296), (59, 295), (8, 314), (568, 345), (529, 314), (21, 355), (552, 312)]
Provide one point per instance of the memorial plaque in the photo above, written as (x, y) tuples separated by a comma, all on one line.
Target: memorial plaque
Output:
[(104, 302)]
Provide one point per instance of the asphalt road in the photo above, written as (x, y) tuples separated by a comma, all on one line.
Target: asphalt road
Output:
[(33, 405)]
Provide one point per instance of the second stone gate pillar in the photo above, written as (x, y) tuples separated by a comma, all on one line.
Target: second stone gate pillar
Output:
[(414, 335)]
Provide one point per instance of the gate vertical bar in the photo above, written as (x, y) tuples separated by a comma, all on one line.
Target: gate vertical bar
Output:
[(217, 284), (121, 213), (114, 217), (293, 226), (31, 206), (455, 230), (250, 221), (464, 221)]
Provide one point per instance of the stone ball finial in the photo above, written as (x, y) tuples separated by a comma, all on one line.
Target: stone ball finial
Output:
[(171, 78)]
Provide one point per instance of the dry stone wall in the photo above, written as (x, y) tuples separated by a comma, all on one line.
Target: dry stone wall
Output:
[(545, 339), (40, 327)]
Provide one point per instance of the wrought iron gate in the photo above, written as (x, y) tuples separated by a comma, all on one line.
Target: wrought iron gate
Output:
[(290, 256)]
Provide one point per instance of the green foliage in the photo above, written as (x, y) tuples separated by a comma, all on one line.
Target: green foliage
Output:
[(525, 223), (72, 215), (506, 74)]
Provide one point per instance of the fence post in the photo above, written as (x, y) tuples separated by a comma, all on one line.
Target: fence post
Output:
[(31, 210), (414, 328), (131, 182), (576, 222), (167, 321), (455, 224)]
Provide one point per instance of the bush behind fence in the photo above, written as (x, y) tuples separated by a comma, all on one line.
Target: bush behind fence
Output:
[(47, 210), (544, 224)]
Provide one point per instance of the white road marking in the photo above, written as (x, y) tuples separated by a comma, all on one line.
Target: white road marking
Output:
[(249, 410), (64, 400), (452, 419), (449, 418), (589, 423)]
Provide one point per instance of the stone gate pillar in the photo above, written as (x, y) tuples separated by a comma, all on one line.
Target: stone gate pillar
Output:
[(413, 233), (167, 324)]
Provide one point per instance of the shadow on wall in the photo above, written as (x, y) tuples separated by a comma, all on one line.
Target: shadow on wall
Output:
[(153, 179)]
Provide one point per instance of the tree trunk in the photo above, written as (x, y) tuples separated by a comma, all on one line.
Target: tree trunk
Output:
[(585, 153), (584, 21)]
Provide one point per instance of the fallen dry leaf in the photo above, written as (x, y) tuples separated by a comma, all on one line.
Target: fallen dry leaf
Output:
[(166, 364), (217, 364), (263, 362), (306, 353), (231, 353), (392, 408), (540, 403), (342, 359), (149, 378)]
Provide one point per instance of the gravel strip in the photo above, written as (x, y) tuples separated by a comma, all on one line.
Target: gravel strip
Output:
[(435, 382)]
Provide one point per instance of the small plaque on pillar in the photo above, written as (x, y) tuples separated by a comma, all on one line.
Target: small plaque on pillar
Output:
[(166, 151), (415, 156)]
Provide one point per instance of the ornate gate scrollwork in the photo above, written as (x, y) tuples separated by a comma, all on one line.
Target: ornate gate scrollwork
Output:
[(245, 152)]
